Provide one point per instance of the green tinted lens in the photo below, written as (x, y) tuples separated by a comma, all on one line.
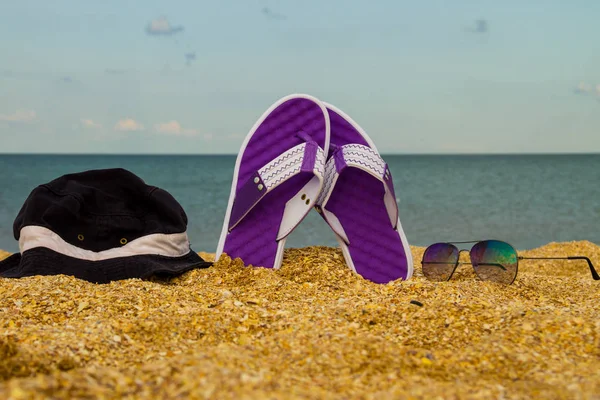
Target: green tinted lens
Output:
[(495, 261)]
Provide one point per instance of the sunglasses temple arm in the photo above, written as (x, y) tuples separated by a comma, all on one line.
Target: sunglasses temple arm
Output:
[(592, 270), (440, 263), (448, 263), (595, 275), (493, 265)]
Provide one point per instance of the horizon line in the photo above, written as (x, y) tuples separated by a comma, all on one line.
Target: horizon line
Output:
[(235, 154)]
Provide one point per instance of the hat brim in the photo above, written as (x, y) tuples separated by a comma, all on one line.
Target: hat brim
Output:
[(43, 261)]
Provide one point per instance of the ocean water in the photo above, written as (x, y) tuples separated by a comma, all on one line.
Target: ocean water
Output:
[(527, 200)]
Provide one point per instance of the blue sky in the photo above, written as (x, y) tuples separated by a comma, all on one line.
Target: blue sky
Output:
[(419, 76)]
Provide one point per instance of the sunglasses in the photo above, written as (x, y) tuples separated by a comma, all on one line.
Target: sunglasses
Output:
[(492, 260)]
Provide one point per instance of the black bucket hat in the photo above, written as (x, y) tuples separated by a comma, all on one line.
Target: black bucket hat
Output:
[(101, 226)]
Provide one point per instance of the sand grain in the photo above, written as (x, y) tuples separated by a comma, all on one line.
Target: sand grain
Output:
[(309, 330)]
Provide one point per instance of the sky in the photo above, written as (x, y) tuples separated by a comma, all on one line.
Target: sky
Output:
[(192, 77)]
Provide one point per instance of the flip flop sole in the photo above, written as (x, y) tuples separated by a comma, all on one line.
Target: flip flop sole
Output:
[(254, 239), (376, 250)]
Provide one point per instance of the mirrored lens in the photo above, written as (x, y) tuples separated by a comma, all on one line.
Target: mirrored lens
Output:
[(439, 261), (495, 261)]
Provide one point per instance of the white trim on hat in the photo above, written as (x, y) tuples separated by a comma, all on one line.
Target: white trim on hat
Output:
[(168, 245)]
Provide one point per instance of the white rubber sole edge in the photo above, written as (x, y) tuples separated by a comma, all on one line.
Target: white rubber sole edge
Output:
[(281, 243)]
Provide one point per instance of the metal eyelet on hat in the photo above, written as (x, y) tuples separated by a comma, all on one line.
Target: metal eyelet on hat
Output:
[(80, 237), (123, 241), (303, 197), (307, 201), (256, 180), (260, 187)]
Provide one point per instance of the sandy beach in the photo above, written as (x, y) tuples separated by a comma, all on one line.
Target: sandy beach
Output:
[(310, 330)]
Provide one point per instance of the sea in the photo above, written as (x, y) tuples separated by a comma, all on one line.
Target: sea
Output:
[(526, 200)]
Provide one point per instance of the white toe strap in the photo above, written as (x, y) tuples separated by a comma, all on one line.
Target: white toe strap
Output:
[(305, 157), (366, 159)]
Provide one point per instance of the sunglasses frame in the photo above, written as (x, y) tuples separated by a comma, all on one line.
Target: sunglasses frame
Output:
[(458, 262), (594, 273)]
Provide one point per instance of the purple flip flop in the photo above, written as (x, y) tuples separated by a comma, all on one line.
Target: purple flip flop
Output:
[(358, 201), (277, 178)]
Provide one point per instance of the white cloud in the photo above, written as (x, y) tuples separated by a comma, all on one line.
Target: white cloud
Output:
[(19, 116), (174, 128), (88, 123), (128, 125), (583, 88), (161, 26)]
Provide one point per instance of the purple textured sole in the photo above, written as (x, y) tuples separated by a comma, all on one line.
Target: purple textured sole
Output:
[(375, 247), (254, 238)]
